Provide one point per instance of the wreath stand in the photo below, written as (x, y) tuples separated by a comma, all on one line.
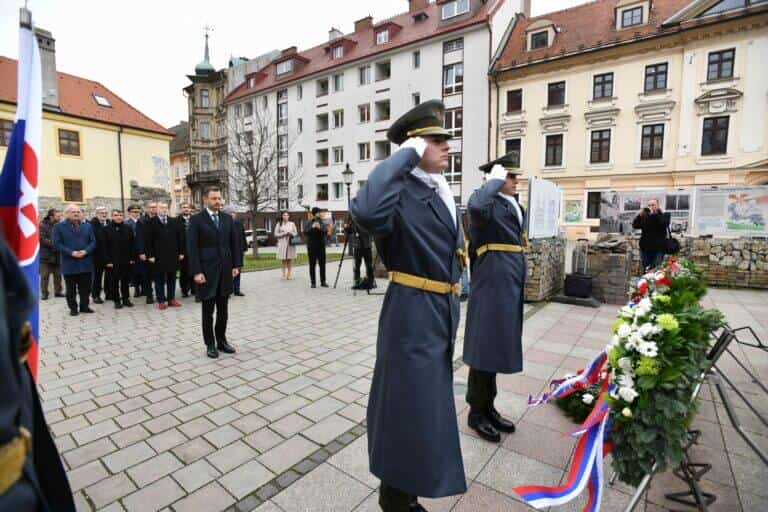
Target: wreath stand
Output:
[(691, 472)]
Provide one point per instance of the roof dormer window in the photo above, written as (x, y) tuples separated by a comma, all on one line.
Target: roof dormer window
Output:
[(539, 40), (540, 34), (454, 8), (284, 67), (382, 36), (338, 52), (101, 101), (632, 13), (631, 17), (251, 83)]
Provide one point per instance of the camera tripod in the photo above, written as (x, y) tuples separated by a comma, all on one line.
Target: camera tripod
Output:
[(341, 262)]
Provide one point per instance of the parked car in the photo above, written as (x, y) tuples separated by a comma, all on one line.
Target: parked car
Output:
[(262, 237)]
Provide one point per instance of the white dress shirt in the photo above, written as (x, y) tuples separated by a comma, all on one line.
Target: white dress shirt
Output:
[(514, 203), (439, 183)]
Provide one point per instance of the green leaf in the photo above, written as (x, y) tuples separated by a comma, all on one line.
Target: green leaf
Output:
[(670, 374)]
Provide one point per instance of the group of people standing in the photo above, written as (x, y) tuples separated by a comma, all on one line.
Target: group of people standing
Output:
[(111, 253)]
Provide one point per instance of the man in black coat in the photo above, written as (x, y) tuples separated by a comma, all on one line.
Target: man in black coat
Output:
[(121, 254), (186, 283), (360, 245), (243, 243), (49, 256), (165, 250), (132, 221), (101, 274), (214, 260), (144, 263), (314, 230), (653, 224), (32, 477)]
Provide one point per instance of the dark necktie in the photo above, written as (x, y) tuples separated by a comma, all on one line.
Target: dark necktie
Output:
[(216, 220), (77, 226), (164, 220)]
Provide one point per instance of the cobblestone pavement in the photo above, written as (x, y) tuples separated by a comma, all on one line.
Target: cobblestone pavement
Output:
[(146, 422)]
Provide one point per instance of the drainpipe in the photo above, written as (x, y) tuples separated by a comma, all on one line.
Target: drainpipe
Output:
[(496, 140), (120, 166)]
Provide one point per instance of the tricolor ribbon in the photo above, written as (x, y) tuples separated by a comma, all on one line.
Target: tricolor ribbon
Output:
[(564, 387)]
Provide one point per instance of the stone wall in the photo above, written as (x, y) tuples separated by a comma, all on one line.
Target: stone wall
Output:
[(546, 262), (611, 274), (137, 195)]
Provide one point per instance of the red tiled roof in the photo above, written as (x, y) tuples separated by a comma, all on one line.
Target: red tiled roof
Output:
[(583, 27), (76, 99), (362, 44)]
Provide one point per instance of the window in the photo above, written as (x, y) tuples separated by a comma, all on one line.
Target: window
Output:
[(300, 158), (513, 145), (284, 67), (6, 128), (382, 150), (264, 102), (515, 100), (282, 203), (338, 83), (69, 142), (299, 92), (300, 124), (382, 36), (727, 5), (364, 112), (282, 145), (454, 8), (453, 172), (382, 110), (602, 86), (299, 192), (204, 98), (655, 77), (321, 122), (361, 183), (248, 109), (677, 202), (251, 83), (416, 59), (383, 71), (454, 121), (416, 97), (632, 17), (338, 154), (248, 138), (282, 95), (238, 111), (556, 94), (338, 190), (322, 192), (600, 148), (282, 113), (205, 163), (338, 52), (322, 87), (101, 101), (453, 78), (720, 64), (73, 191), (365, 75), (338, 118), (205, 130), (322, 157), (540, 40), (593, 204), (714, 140), (652, 145), (282, 176), (453, 45), (364, 151), (554, 151)]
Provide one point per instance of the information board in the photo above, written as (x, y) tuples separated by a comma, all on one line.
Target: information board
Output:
[(731, 211), (544, 199)]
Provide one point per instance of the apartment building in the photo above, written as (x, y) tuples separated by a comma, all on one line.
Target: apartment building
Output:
[(178, 188), (639, 95), (332, 104)]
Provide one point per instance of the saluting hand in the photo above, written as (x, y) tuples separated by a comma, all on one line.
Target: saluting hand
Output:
[(417, 143), (498, 172)]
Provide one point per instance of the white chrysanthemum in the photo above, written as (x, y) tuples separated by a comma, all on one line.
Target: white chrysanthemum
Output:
[(624, 331), (648, 348), (627, 394), (647, 330), (625, 363), (626, 381), (587, 398), (626, 412)]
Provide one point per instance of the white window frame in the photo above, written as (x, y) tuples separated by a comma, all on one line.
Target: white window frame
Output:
[(338, 122), (363, 151), (338, 190), (365, 75), (338, 82), (101, 101), (451, 89), (454, 8), (382, 36), (416, 98), (338, 154), (611, 152), (338, 52), (367, 110), (451, 177), (453, 113), (284, 67)]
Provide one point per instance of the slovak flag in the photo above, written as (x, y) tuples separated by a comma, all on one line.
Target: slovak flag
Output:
[(21, 171)]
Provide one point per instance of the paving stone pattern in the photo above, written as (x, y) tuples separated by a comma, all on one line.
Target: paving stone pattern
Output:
[(146, 422)]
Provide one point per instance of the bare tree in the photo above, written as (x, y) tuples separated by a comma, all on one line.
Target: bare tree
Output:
[(259, 174)]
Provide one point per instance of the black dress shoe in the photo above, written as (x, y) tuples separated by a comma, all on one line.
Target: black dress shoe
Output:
[(480, 424), (137, 293), (184, 295), (324, 285), (150, 300), (500, 423), (313, 285), (416, 507), (225, 347), (59, 295), (44, 297), (118, 305), (239, 294), (73, 312), (127, 303), (86, 310), (97, 300), (198, 299), (212, 352)]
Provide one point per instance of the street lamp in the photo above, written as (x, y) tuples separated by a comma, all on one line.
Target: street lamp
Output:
[(348, 176)]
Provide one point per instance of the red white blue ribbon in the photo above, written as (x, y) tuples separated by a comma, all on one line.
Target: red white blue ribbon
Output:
[(564, 387)]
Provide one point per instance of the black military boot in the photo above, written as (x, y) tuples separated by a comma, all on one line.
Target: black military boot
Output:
[(479, 422)]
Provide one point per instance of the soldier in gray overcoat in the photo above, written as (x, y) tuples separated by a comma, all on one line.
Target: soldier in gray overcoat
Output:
[(493, 334), (413, 438)]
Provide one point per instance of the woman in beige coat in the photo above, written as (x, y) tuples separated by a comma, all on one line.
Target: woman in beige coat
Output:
[(286, 252)]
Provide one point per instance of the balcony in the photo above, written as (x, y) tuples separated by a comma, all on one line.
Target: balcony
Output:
[(202, 178)]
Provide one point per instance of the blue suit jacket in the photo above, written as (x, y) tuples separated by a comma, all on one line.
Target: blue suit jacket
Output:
[(67, 240)]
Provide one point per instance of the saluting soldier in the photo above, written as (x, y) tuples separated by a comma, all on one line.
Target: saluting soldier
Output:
[(493, 333), (413, 438), (32, 477)]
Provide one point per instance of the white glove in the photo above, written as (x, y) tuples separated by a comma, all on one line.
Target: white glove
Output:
[(498, 172), (417, 143)]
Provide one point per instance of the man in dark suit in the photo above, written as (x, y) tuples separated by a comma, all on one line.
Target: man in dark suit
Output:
[(144, 263), (314, 230), (49, 256), (101, 274), (121, 254), (164, 243), (76, 244), (132, 221), (186, 283), (32, 477), (214, 259), (243, 243)]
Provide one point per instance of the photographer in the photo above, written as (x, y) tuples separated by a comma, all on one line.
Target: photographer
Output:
[(653, 225), (314, 230), (360, 244)]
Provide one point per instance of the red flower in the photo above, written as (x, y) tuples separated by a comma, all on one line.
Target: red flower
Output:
[(642, 286)]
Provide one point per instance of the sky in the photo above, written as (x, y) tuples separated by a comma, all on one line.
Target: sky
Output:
[(142, 50)]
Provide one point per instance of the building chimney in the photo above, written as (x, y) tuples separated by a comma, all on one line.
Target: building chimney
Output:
[(334, 33), (289, 51), (47, 45), (527, 8), (364, 23), (417, 5)]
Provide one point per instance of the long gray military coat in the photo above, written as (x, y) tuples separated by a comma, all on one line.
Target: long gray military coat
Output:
[(494, 326), (413, 438)]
